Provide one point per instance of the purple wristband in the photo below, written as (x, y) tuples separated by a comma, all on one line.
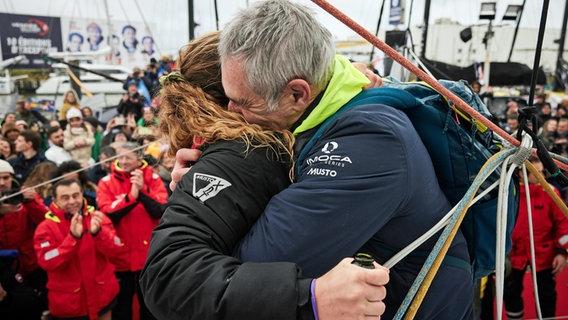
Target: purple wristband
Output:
[(313, 293)]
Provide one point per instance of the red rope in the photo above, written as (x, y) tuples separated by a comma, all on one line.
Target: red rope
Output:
[(458, 102)]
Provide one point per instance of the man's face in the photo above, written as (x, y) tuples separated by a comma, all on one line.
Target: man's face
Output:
[(148, 44), (132, 89), (75, 43), (128, 160), (5, 181), (57, 138), (69, 198), (562, 126), (244, 100), (22, 145), (129, 35)]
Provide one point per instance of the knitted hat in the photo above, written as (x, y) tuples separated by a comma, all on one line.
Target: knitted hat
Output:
[(6, 167), (74, 113)]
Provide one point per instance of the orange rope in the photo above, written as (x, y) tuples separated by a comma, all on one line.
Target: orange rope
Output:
[(459, 103)]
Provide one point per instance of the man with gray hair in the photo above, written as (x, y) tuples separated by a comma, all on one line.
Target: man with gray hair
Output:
[(364, 180)]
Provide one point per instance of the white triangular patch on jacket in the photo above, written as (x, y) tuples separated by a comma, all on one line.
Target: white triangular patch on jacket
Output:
[(44, 244), (206, 186)]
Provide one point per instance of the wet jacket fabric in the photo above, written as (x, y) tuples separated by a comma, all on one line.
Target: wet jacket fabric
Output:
[(17, 232), (134, 219), (550, 228), (212, 208), (81, 280)]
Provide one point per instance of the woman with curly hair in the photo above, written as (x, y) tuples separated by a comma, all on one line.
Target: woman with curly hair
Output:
[(216, 203)]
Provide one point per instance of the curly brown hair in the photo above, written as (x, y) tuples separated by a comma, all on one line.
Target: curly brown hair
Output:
[(196, 106)]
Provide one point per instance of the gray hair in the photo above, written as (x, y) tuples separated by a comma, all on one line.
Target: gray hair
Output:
[(279, 41), (132, 146)]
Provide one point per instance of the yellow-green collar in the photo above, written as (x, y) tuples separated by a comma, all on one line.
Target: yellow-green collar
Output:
[(346, 82)]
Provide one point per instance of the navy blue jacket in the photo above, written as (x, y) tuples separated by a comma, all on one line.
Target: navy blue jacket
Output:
[(368, 185)]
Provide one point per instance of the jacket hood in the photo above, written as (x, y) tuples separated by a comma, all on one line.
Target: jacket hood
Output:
[(118, 172), (346, 82)]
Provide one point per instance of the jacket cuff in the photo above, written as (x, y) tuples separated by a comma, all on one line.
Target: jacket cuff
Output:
[(307, 310)]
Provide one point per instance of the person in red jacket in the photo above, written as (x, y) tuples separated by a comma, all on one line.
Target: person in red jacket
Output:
[(19, 217), (74, 244), (133, 197), (550, 242)]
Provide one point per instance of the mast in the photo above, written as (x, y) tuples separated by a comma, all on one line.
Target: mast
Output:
[(109, 36), (191, 19), (516, 30), (561, 43), (425, 30), (216, 14), (377, 30)]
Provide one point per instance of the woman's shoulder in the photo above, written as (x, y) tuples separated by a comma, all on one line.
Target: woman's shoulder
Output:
[(239, 149)]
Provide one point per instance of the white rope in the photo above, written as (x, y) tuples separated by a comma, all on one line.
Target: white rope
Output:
[(531, 240), (437, 227), (517, 158), (502, 207), (72, 172)]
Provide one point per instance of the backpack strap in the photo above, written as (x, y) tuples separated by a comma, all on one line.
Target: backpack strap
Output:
[(393, 97)]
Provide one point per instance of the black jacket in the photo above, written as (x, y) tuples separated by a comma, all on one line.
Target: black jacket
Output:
[(189, 273)]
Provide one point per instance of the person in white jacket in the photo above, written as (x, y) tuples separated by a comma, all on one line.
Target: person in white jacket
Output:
[(56, 153), (78, 137)]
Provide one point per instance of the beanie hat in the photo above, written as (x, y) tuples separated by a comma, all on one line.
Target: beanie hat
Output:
[(6, 167), (74, 113)]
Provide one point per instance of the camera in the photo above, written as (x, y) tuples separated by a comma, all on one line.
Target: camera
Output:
[(14, 200)]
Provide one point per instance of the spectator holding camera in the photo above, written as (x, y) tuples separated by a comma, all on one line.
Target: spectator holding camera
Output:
[(132, 102), (74, 244)]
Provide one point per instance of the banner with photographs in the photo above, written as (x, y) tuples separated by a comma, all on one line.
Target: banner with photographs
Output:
[(132, 43), (31, 36)]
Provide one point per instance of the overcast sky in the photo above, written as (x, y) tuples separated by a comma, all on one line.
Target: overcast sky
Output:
[(170, 17)]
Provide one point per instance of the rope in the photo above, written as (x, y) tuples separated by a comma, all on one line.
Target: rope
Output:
[(548, 189), (531, 241), (434, 259), (462, 105), (424, 279), (72, 172)]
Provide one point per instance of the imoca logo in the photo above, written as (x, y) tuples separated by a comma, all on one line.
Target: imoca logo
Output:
[(329, 147)]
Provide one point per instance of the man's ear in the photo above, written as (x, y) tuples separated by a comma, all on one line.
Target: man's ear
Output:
[(299, 90)]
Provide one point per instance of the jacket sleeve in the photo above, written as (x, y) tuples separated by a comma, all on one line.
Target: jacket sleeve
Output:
[(347, 190), (188, 257), (111, 204), (68, 141), (50, 253), (154, 196), (560, 222), (107, 242), (36, 209), (90, 140)]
